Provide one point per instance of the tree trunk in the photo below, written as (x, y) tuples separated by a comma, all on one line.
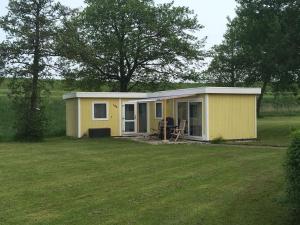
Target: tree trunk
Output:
[(36, 63), (123, 85), (260, 98)]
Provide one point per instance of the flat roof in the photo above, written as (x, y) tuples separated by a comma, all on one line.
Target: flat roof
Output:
[(169, 93)]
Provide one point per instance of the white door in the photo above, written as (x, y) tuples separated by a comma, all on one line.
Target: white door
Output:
[(129, 118)]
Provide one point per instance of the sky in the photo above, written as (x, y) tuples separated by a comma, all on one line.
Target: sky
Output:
[(211, 14)]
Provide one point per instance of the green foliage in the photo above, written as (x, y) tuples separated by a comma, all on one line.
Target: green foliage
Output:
[(261, 46), (124, 43), (30, 124), (227, 65), (281, 104), (293, 173), (218, 140), (54, 110), (29, 56)]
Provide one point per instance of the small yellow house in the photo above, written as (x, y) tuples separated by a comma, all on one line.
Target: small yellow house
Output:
[(210, 112)]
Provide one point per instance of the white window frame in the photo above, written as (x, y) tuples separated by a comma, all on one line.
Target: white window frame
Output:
[(107, 110), (162, 110)]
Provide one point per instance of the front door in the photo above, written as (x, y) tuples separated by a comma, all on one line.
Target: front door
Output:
[(129, 118), (142, 117)]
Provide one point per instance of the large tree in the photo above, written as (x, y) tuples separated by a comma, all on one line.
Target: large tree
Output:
[(29, 51), (267, 33), (227, 65), (262, 38), (124, 42)]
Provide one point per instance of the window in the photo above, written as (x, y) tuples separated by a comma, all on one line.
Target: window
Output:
[(158, 110), (100, 111)]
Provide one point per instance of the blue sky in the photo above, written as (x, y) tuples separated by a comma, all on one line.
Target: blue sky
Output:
[(211, 13)]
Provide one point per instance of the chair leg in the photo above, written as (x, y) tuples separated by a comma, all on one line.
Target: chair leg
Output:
[(178, 134)]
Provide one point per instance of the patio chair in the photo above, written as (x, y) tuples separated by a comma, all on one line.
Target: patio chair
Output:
[(156, 132), (179, 131)]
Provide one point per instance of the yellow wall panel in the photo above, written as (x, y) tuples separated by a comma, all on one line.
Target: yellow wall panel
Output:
[(71, 117), (87, 121), (232, 116)]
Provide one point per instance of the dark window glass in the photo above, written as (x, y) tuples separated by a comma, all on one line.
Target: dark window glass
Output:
[(158, 112), (129, 112), (100, 111)]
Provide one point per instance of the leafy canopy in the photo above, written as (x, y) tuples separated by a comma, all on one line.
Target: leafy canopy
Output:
[(28, 56), (126, 42)]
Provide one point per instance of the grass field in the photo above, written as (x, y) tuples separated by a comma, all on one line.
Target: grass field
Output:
[(274, 131), (111, 181)]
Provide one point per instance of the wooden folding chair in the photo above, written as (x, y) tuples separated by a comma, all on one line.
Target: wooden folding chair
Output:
[(157, 132), (179, 131)]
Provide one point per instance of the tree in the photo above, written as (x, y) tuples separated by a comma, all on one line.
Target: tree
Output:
[(227, 65), (29, 52), (125, 42), (264, 40)]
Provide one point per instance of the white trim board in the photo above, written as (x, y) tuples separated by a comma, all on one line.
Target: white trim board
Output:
[(206, 103), (78, 118), (105, 95), (177, 93)]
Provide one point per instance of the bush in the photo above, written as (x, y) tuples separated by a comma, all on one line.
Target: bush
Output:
[(30, 124), (218, 140), (293, 172)]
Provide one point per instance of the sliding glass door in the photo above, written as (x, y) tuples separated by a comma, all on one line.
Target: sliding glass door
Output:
[(191, 111), (195, 119), (182, 114)]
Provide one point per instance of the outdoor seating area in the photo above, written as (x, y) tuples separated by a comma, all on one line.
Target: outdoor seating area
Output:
[(173, 132)]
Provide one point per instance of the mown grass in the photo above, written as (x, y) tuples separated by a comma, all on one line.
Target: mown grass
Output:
[(277, 131), (111, 181), (274, 131)]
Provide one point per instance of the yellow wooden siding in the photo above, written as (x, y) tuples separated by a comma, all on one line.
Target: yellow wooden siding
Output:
[(71, 117), (87, 121), (232, 116)]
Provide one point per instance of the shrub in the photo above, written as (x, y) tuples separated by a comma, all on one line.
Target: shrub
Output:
[(293, 172), (30, 124), (217, 140)]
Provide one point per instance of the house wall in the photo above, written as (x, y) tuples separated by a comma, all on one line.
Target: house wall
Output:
[(71, 117), (232, 116), (229, 116), (86, 116)]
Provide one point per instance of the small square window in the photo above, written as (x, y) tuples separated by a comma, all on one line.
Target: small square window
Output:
[(100, 111), (158, 110)]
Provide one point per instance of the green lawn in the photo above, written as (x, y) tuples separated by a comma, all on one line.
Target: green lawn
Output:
[(277, 130), (111, 181), (274, 131)]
